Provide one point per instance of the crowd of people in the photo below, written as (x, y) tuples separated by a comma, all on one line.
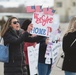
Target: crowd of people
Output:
[(18, 38)]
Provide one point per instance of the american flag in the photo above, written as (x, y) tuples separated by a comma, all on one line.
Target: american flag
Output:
[(48, 11), (38, 8), (30, 8)]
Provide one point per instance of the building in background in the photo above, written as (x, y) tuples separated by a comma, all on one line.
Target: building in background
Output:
[(66, 9)]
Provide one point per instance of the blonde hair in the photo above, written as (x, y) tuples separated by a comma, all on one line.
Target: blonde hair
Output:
[(6, 26), (71, 25)]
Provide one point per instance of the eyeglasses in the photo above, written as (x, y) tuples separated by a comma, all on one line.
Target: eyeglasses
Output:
[(15, 22)]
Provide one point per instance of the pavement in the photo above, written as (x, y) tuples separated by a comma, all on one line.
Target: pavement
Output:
[(55, 69)]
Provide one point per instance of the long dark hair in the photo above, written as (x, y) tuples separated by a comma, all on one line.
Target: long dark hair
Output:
[(6, 26)]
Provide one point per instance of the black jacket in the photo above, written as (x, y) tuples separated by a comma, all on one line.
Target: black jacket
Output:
[(69, 63), (14, 39), (42, 51)]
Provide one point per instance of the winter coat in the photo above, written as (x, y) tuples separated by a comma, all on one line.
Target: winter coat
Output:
[(16, 65), (42, 51), (69, 48)]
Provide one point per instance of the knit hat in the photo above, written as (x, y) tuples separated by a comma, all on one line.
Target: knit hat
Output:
[(25, 24)]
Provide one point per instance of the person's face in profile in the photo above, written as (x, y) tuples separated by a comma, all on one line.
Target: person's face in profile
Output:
[(15, 24)]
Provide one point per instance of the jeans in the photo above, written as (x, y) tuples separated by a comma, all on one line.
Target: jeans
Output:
[(44, 69), (70, 73)]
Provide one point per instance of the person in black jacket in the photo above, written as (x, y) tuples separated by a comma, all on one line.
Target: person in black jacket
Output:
[(14, 37), (43, 68), (69, 48)]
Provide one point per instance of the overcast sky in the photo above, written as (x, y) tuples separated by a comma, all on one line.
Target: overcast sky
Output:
[(11, 3), (16, 3)]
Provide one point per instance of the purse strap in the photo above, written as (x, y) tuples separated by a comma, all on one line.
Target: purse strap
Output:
[(73, 43)]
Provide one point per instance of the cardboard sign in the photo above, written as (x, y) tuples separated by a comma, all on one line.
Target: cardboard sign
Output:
[(44, 24), (53, 46), (55, 52), (33, 59)]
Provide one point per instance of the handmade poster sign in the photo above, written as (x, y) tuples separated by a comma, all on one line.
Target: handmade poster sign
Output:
[(44, 24), (33, 59), (53, 46)]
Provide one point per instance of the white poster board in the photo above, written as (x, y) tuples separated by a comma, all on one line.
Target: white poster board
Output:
[(53, 46), (44, 24), (55, 52), (33, 59)]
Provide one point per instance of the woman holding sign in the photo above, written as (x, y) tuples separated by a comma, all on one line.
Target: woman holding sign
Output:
[(69, 48), (28, 26), (12, 35)]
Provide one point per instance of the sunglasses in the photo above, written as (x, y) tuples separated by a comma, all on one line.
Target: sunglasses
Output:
[(15, 22)]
